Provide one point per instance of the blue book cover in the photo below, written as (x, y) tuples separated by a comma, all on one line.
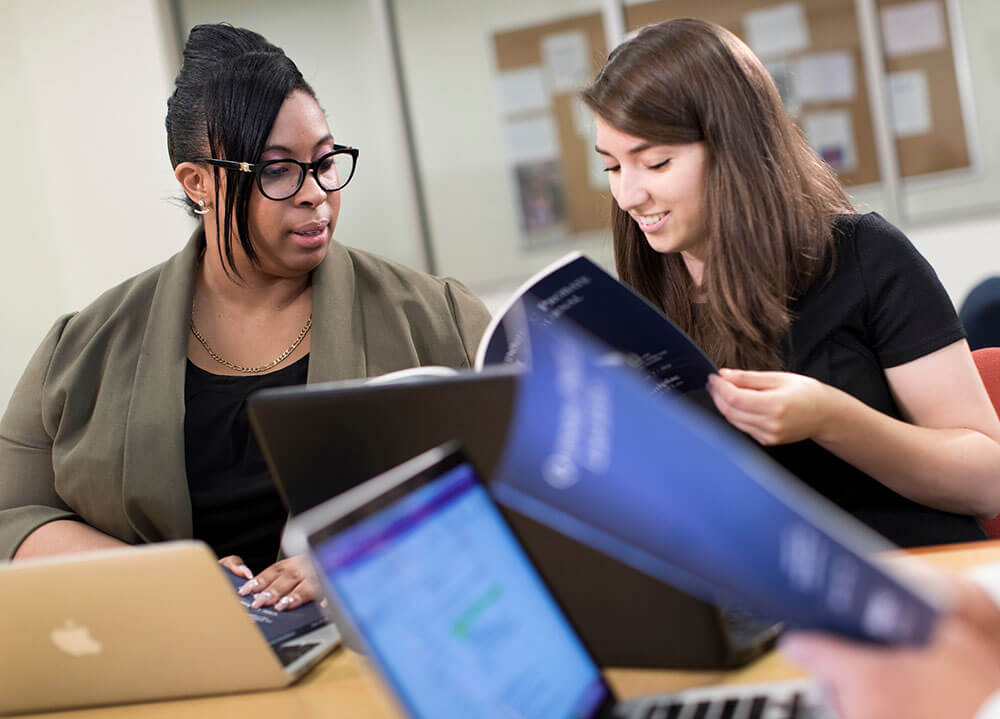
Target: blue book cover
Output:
[(596, 453), (577, 290)]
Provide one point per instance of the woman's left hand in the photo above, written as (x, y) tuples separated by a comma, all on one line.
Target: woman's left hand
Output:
[(286, 584), (772, 407)]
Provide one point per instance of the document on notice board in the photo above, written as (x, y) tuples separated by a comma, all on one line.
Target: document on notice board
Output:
[(909, 103), (777, 31), (915, 27)]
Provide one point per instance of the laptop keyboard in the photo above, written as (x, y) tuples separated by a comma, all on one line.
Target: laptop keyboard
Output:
[(799, 699), (288, 653)]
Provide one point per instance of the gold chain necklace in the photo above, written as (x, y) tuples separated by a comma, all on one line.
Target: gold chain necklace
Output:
[(250, 370)]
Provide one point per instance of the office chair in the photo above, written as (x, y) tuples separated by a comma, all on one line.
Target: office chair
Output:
[(988, 363), (980, 314)]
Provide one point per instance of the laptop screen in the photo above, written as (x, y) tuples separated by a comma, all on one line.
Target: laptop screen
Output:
[(454, 612)]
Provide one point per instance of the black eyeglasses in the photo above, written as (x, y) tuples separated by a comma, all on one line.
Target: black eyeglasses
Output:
[(281, 179)]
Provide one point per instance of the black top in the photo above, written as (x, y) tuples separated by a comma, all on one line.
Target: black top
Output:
[(882, 307), (234, 504)]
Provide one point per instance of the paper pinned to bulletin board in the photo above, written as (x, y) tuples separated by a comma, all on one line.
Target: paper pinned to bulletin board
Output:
[(566, 58), (533, 151), (777, 31), (909, 103), (826, 77), (830, 133), (913, 28), (522, 91)]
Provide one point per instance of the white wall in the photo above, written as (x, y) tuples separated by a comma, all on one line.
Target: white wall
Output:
[(85, 191), (963, 252)]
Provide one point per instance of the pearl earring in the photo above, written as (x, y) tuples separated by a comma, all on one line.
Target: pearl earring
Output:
[(201, 203)]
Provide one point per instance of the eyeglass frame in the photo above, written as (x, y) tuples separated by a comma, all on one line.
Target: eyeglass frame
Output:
[(306, 167)]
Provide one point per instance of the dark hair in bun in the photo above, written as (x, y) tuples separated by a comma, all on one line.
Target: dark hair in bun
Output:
[(227, 94)]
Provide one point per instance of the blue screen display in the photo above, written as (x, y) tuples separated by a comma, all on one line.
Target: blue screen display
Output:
[(454, 613)]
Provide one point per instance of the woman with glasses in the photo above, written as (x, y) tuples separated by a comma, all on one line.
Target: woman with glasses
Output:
[(842, 354), (129, 424)]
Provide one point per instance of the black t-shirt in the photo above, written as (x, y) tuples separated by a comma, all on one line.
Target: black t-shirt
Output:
[(234, 504), (883, 306)]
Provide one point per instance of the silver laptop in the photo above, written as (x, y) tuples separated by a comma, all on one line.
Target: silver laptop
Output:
[(153, 622), (421, 565)]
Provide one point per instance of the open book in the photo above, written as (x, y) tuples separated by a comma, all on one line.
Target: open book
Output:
[(574, 289), (649, 480)]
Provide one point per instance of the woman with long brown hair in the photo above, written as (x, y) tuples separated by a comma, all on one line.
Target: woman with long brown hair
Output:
[(841, 352)]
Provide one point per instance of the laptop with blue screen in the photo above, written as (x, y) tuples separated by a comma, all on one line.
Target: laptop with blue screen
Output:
[(421, 566)]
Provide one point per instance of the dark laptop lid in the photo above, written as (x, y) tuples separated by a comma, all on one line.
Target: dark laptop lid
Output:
[(357, 429)]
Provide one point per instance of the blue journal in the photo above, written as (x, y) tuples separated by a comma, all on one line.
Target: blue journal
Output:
[(597, 453)]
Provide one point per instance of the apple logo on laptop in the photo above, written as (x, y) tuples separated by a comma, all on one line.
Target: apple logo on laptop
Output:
[(75, 640)]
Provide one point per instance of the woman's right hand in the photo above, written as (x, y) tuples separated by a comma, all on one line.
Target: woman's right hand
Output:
[(286, 584)]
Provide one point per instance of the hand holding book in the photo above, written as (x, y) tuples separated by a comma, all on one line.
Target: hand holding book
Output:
[(772, 407)]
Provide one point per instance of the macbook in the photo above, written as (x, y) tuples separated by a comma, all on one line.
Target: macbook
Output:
[(321, 440), (152, 622), (457, 619)]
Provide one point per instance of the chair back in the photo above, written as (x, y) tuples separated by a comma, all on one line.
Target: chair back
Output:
[(988, 363)]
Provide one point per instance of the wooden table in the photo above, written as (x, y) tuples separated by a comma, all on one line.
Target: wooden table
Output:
[(344, 685)]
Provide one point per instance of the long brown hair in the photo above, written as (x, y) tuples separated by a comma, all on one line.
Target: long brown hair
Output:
[(769, 201)]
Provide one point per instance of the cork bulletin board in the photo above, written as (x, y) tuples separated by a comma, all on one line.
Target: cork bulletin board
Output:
[(920, 66), (918, 59), (828, 29), (545, 67), (811, 47)]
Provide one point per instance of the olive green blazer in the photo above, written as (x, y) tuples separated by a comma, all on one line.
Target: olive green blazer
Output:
[(95, 427)]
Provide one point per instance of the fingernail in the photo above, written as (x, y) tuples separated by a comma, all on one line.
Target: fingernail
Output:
[(283, 602), (259, 599), (245, 571), (247, 588), (724, 371)]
